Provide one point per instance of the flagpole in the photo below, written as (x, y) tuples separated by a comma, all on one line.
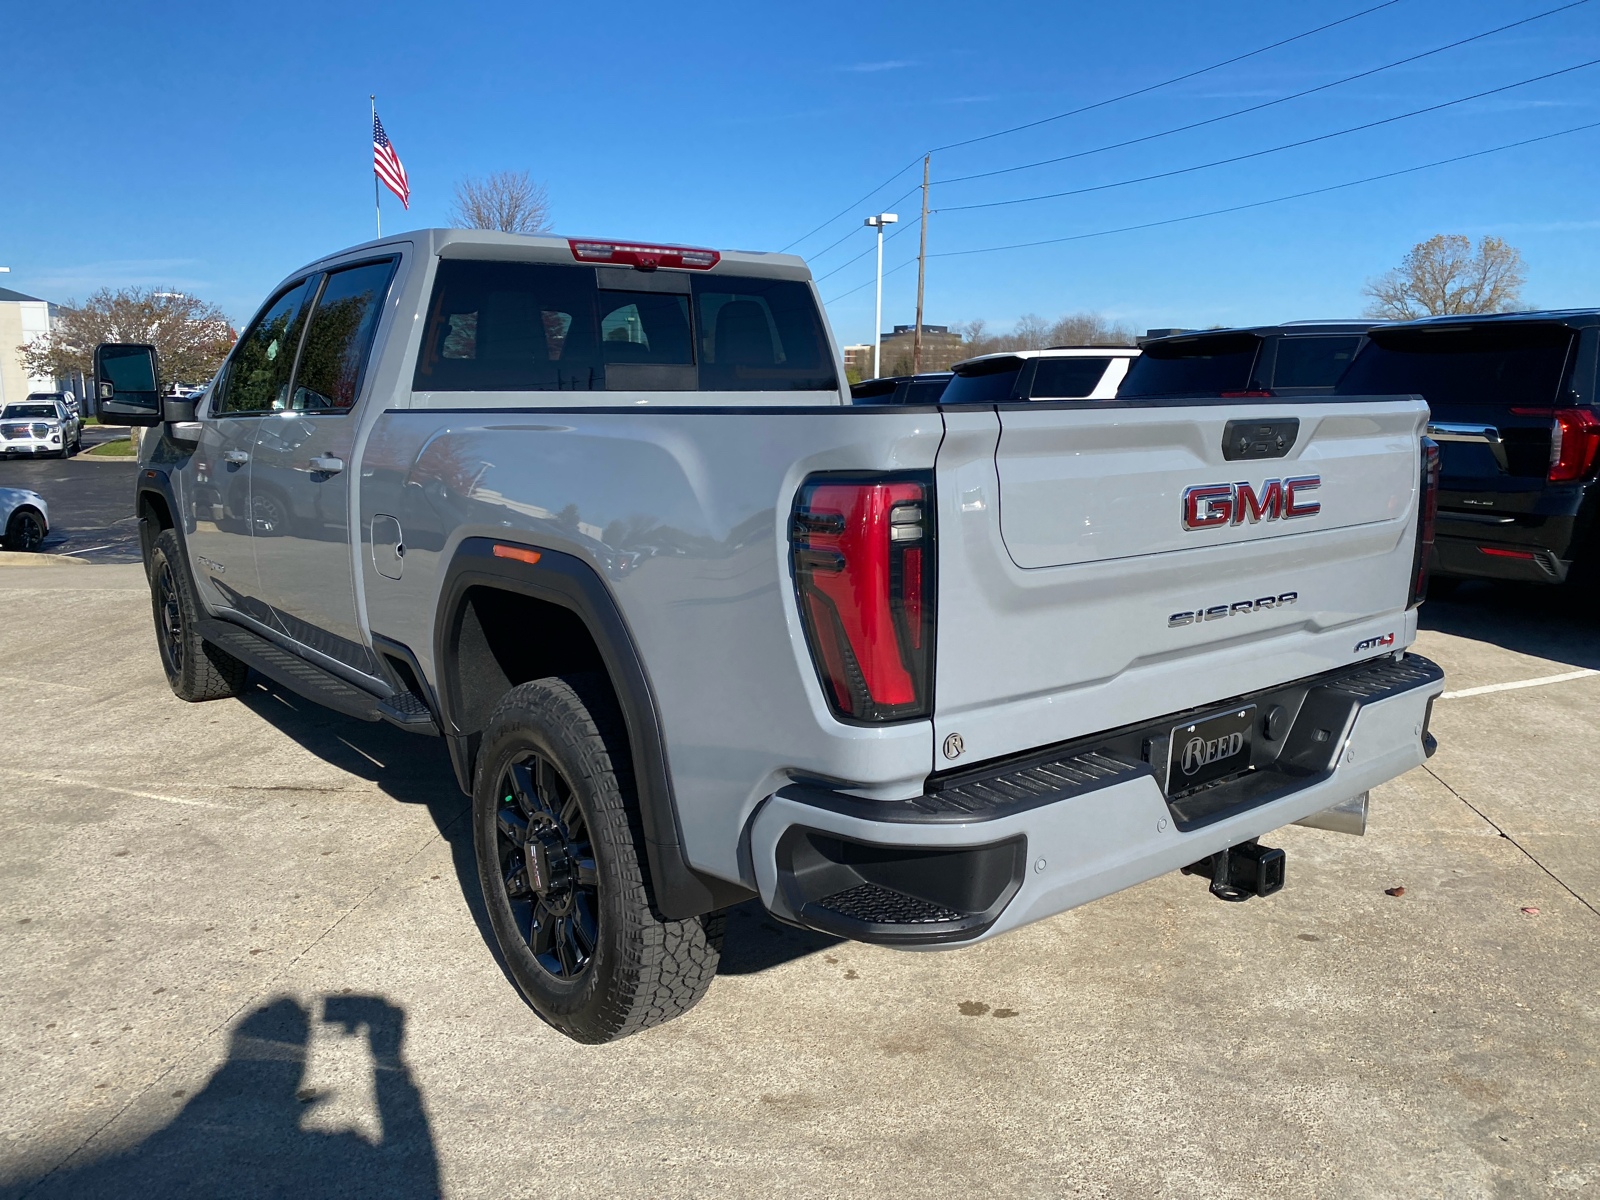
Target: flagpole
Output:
[(377, 194)]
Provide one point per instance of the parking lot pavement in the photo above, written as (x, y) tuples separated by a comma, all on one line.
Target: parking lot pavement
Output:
[(244, 955), (90, 499)]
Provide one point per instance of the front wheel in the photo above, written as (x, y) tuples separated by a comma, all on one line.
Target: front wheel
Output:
[(561, 859), (196, 670)]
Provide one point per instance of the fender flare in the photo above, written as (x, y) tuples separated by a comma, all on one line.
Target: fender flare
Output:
[(569, 581)]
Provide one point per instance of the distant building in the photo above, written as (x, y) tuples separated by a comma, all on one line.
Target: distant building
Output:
[(23, 318), (940, 348), (859, 360)]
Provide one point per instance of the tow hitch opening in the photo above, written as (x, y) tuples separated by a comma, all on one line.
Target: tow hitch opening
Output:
[(1239, 872)]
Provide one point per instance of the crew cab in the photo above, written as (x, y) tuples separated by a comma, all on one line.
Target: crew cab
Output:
[(698, 630), (1513, 401), (1058, 373)]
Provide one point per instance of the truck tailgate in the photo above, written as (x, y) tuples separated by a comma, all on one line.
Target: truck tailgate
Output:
[(1082, 586)]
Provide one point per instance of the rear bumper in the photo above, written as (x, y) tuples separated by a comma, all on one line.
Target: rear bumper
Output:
[(993, 853)]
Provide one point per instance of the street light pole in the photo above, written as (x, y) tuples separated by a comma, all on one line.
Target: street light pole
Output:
[(878, 222)]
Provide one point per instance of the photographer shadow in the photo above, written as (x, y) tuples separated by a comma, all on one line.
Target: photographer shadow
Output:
[(243, 1135)]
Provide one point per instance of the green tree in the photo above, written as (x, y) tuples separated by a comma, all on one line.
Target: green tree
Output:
[(191, 337), (1446, 276)]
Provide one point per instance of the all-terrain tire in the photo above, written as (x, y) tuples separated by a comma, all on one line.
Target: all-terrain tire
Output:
[(196, 670), (642, 970)]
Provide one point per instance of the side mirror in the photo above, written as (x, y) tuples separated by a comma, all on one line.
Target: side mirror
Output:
[(126, 387), (175, 409)]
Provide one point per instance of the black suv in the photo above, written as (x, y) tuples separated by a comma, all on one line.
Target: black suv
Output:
[(1301, 358), (901, 389), (1513, 409)]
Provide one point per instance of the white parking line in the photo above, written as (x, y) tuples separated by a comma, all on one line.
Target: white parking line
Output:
[(1521, 683), (106, 787)]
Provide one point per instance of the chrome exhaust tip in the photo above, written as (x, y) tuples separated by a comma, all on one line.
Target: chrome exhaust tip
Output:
[(1350, 816)]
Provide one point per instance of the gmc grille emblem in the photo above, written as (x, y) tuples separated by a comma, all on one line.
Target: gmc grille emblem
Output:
[(1210, 505)]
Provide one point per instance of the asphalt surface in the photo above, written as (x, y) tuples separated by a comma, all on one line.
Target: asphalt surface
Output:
[(90, 499), (244, 955)]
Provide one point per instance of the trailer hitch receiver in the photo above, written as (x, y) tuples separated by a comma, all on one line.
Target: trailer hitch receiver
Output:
[(1239, 872)]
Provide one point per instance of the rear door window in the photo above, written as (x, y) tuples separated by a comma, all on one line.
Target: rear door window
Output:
[(987, 381), (339, 338), (1193, 367), (1305, 362), (759, 335), (256, 378), (1067, 378)]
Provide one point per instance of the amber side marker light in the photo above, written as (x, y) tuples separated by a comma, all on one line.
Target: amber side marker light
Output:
[(520, 553)]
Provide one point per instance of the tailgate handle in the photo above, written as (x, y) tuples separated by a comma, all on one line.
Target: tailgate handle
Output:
[(1483, 435), (1259, 439)]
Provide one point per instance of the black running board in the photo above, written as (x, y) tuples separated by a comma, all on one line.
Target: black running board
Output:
[(292, 671)]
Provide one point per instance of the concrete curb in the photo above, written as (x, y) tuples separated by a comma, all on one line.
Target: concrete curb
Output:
[(21, 558)]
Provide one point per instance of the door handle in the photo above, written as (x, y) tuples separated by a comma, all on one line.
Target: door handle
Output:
[(328, 466), (236, 456)]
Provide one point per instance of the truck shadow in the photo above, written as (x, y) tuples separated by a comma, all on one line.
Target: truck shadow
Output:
[(1558, 623), (244, 1134), (417, 770)]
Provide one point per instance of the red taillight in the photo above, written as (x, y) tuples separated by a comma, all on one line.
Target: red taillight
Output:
[(1574, 439), (646, 257), (1496, 552), (1427, 515), (863, 566)]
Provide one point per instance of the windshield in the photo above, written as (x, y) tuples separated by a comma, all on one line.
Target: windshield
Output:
[(32, 411), (1204, 366), (1503, 364)]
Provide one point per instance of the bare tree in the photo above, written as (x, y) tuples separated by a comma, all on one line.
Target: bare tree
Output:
[(1445, 276), (191, 337), (507, 200), (1033, 332)]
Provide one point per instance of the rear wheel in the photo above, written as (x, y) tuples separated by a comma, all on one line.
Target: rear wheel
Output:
[(25, 530), (562, 863), (196, 670)]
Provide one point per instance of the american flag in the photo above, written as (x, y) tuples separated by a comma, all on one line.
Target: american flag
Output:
[(387, 163)]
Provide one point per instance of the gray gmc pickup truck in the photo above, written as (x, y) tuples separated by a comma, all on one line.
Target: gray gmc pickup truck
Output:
[(697, 629)]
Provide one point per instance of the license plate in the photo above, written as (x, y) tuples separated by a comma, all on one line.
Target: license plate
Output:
[(1209, 749)]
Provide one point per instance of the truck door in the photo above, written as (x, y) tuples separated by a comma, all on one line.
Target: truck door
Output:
[(216, 478), (301, 473)]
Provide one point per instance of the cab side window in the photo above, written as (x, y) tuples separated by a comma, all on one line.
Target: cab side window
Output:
[(256, 378), (1067, 378), (339, 338)]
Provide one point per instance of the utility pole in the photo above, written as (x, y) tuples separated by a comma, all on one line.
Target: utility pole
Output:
[(922, 270), (878, 222)]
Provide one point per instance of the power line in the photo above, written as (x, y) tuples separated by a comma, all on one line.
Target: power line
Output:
[(1228, 62), (1078, 237), (1089, 108), (864, 253), (813, 258), (1272, 150), (869, 282), (1239, 112)]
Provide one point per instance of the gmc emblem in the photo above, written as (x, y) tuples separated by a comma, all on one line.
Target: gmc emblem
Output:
[(1212, 504)]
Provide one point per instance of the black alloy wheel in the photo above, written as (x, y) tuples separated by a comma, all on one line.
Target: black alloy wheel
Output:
[(565, 871), (169, 618), (547, 866), (25, 531), (196, 670)]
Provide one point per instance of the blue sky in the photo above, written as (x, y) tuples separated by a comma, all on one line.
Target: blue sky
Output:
[(215, 148)]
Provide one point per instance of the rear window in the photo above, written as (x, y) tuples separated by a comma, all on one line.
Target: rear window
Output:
[(988, 381), (1192, 367), (497, 326), (1509, 364), (1067, 378), (1305, 362)]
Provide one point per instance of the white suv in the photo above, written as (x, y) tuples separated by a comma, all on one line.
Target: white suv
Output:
[(1059, 373)]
